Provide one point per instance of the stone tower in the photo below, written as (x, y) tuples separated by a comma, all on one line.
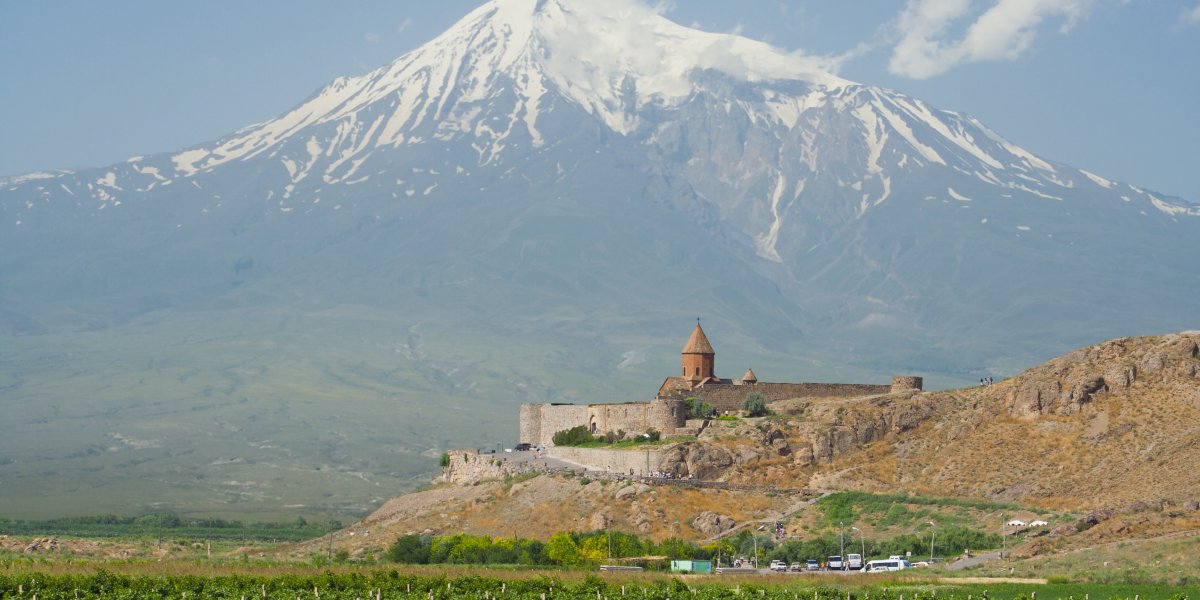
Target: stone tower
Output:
[(698, 357)]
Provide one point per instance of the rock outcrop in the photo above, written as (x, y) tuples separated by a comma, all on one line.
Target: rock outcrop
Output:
[(1095, 426)]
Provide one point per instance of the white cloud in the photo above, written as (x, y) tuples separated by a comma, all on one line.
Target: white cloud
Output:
[(371, 37), (404, 25), (1003, 32), (1192, 17)]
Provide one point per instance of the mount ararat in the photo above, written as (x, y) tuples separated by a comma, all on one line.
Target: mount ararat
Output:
[(531, 207)]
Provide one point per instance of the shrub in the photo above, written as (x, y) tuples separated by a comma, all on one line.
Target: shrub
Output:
[(754, 405), (575, 436), (698, 408), (445, 461)]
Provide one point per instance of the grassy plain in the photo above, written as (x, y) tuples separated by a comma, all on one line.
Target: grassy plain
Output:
[(271, 423)]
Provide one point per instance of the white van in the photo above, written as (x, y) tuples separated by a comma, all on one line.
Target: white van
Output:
[(854, 562), (891, 564)]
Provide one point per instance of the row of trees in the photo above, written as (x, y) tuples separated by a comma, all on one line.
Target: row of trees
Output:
[(564, 549), (571, 549), (166, 524)]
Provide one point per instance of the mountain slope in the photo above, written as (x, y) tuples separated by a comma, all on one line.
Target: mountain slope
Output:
[(526, 209)]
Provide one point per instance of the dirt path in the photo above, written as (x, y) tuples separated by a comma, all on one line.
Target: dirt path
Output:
[(802, 504)]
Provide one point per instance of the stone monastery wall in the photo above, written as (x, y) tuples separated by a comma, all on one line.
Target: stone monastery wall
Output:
[(726, 397), (611, 461), (662, 415), (539, 422)]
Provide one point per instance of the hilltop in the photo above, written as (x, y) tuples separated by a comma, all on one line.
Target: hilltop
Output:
[(1099, 442)]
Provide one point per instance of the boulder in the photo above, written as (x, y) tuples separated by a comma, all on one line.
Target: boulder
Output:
[(631, 491), (712, 524), (1078, 391), (804, 456), (1153, 362), (1120, 376), (600, 520)]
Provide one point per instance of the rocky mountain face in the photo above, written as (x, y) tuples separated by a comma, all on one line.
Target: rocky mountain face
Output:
[(525, 209), (1105, 427)]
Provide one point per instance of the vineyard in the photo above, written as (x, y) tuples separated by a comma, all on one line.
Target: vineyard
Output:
[(423, 585)]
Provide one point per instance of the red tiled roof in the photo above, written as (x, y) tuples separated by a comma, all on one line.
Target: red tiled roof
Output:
[(698, 343)]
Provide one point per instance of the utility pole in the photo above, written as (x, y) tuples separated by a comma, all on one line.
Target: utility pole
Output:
[(608, 533), (862, 539), (842, 543), (932, 536)]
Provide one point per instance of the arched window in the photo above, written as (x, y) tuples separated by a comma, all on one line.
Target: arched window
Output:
[(697, 371)]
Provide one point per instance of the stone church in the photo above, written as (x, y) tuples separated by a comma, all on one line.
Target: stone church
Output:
[(668, 414)]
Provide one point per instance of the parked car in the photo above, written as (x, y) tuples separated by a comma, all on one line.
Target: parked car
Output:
[(523, 446), (813, 565), (797, 566), (854, 562), (834, 563), (778, 565)]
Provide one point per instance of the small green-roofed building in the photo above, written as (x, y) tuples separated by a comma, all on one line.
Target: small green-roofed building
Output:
[(691, 566)]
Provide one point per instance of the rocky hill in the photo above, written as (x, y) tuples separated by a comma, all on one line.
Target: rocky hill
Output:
[(1101, 436), (1105, 426)]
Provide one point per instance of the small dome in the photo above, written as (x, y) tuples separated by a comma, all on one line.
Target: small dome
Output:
[(749, 377)]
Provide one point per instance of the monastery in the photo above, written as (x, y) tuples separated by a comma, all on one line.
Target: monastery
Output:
[(668, 414)]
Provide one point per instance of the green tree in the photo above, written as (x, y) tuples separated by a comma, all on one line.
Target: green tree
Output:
[(754, 405), (698, 408), (594, 548), (409, 549), (561, 549), (676, 548), (445, 461)]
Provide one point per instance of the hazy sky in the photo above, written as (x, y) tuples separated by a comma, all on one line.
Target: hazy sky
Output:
[(1112, 86)]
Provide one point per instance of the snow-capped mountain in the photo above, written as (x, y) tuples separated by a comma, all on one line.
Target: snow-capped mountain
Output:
[(775, 158), (577, 178)]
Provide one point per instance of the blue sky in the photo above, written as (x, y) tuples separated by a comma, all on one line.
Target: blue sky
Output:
[(1112, 86)]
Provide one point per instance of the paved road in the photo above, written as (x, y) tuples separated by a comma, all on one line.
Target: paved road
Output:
[(978, 559), (537, 460)]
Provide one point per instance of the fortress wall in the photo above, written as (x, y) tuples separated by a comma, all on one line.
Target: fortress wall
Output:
[(612, 461), (539, 422), (530, 424), (728, 397), (628, 417), (907, 383), (469, 466), (668, 415)]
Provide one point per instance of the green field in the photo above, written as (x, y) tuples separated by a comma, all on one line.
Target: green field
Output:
[(144, 582)]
